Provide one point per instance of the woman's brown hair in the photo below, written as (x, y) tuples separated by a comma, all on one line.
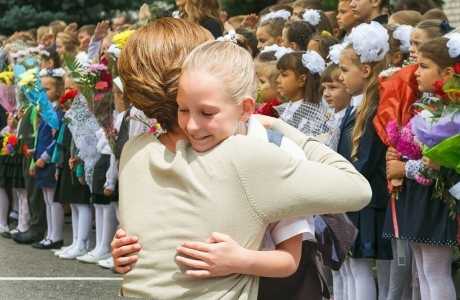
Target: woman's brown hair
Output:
[(150, 69), (437, 51), (293, 61)]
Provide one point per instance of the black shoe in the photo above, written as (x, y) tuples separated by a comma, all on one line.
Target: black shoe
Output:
[(48, 244), (28, 237), (6, 235)]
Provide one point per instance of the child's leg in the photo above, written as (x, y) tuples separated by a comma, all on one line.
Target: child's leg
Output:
[(99, 214), (351, 288), (364, 279), (418, 257), (74, 209), (109, 227), (437, 262), (344, 276), (338, 285), (24, 215), (15, 203), (57, 210), (400, 275), (383, 278), (84, 224), (4, 205), (49, 212)]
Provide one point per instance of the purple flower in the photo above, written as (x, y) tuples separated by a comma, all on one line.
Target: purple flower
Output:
[(94, 68), (431, 134)]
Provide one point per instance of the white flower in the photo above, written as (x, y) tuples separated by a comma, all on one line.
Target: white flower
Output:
[(389, 72), (229, 37), (370, 42), (402, 33), (279, 51), (335, 51), (114, 50), (454, 44), (313, 62), (312, 16), (279, 14)]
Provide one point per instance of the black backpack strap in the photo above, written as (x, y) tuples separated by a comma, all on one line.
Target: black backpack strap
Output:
[(274, 137)]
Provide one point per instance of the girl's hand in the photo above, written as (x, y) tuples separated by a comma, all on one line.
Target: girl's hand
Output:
[(101, 31), (40, 163), (431, 164), (250, 21), (72, 163), (220, 256), (392, 154), (266, 121), (108, 192), (396, 169), (124, 251), (32, 172)]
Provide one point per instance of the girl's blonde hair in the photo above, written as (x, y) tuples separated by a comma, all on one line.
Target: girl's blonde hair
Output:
[(197, 10), (367, 109), (150, 70), (407, 17), (69, 41), (228, 62)]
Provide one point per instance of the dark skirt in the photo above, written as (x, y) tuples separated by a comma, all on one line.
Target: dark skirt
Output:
[(306, 283), (370, 242), (69, 189), (421, 218), (11, 171), (45, 177), (99, 179)]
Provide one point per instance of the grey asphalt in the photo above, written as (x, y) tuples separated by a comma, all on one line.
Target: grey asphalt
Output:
[(23, 261)]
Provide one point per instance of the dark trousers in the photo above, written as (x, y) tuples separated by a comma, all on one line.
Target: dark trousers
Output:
[(306, 283), (35, 198)]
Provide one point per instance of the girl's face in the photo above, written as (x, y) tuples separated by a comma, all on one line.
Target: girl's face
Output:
[(84, 38), (353, 75), (291, 85), (49, 85), (264, 38), (206, 113), (427, 74), (417, 38), (362, 9), (266, 89), (336, 95), (60, 49), (345, 18)]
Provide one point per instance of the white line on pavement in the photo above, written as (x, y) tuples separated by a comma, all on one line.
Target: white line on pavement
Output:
[(60, 279)]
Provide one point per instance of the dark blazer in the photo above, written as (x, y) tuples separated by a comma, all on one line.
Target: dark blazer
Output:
[(371, 157)]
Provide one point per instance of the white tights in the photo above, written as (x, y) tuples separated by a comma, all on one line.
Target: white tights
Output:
[(4, 206), (106, 225), (54, 216), (363, 284), (81, 225), (434, 271), (23, 209)]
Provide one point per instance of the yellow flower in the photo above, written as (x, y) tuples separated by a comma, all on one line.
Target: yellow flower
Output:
[(121, 38), (28, 77), (7, 77)]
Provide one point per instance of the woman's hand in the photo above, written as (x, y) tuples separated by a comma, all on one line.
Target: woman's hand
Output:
[(396, 169), (124, 251), (220, 256)]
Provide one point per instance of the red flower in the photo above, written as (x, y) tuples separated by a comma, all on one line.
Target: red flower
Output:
[(12, 140), (457, 68), (70, 94), (152, 129), (268, 109), (438, 89), (102, 85)]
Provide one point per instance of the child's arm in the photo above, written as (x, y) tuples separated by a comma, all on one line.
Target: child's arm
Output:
[(224, 257)]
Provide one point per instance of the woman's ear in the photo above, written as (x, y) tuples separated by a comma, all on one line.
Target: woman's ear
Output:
[(248, 106), (447, 73)]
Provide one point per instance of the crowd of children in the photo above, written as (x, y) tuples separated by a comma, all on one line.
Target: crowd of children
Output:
[(380, 87)]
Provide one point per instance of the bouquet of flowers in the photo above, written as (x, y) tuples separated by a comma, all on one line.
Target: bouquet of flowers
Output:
[(10, 141)]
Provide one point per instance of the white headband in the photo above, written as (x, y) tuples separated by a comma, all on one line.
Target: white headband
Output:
[(454, 44), (335, 51), (59, 72), (279, 14), (313, 62), (279, 51), (370, 42), (402, 34), (312, 16)]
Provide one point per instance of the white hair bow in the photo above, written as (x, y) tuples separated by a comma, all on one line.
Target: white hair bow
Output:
[(279, 51), (454, 44), (313, 62), (312, 16), (279, 14), (59, 72), (370, 42), (402, 33)]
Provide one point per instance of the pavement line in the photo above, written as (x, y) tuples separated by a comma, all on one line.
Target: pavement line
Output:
[(60, 279)]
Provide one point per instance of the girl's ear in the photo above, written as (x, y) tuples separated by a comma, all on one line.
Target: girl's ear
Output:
[(447, 73), (366, 71), (248, 106)]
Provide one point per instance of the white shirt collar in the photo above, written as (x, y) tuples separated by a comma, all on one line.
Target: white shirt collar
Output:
[(357, 100), (256, 129)]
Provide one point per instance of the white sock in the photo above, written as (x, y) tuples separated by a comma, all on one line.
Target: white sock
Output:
[(74, 209), (4, 205), (109, 227), (338, 284), (351, 289), (98, 216), (383, 278), (84, 224), (58, 221), (24, 214), (47, 192), (15, 203), (364, 279)]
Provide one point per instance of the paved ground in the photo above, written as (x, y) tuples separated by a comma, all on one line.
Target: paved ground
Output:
[(27, 273)]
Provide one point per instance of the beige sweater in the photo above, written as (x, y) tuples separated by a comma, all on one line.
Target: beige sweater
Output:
[(238, 188)]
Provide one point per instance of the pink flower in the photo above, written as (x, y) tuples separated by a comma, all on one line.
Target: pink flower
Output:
[(423, 180), (393, 133), (102, 85), (94, 68), (99, 97), (152, 129)]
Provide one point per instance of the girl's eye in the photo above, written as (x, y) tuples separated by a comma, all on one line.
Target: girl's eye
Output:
[(207, 114), (183, 110)]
